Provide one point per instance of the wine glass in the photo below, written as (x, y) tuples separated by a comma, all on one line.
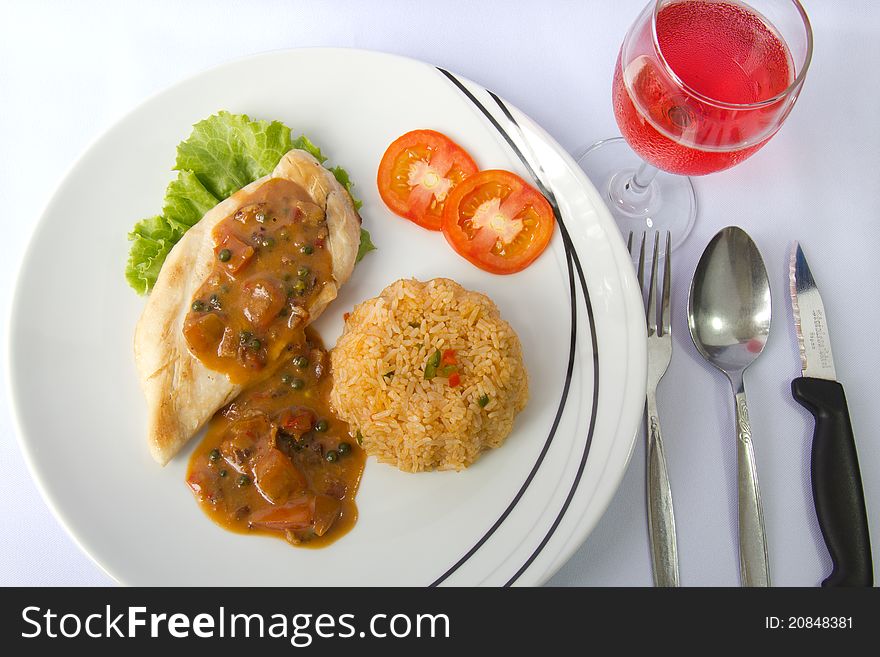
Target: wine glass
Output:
[(699, 86)]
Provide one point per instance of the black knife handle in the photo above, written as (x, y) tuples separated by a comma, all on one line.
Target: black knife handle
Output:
[(837, 483)]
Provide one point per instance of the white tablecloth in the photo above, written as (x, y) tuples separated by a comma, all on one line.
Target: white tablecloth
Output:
[(70, 70)]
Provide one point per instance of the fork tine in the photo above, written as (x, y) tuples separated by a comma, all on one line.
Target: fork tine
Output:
[(641, 272), (629, 243), (652, 289), (667, 278)]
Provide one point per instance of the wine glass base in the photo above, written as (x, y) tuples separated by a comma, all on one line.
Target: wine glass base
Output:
[(669, 202)]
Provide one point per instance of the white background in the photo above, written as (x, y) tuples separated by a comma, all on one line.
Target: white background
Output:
[(70, 70)]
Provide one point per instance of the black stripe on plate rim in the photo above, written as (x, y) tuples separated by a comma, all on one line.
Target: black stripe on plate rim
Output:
[(566, 237), (565, 390), (571, 256)]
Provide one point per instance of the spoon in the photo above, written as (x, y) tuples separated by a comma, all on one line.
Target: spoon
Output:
[(729, 321)]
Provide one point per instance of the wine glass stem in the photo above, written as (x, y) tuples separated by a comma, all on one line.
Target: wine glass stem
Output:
[(641, 181)]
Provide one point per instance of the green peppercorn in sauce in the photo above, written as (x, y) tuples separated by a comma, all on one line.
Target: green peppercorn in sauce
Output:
[(275, 460)]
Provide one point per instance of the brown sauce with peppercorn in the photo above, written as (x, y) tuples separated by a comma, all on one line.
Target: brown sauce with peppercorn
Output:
[(275, 460), (270, 263)]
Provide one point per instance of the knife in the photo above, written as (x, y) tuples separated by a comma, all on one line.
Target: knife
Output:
[(837, 482)]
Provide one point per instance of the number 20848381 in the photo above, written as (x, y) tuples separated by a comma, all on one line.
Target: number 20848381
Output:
[(808, 622)]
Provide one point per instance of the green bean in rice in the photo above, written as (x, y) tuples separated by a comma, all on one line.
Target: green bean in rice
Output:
[(418, 423)]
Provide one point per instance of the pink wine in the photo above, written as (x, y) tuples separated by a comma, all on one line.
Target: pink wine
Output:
[(724, 52)]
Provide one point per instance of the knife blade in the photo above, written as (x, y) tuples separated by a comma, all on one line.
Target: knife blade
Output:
[(836, 479)]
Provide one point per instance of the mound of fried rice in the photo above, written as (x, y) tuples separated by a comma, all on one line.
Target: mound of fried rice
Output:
[(379, 384)]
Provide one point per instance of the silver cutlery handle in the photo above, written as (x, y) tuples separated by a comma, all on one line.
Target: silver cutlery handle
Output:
[(661, 518), (754, 562)]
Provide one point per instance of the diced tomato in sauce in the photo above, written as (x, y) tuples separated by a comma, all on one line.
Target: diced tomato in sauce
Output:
[(277, 478), (294, 515), (296, 421), (205, 333), (263, 300)]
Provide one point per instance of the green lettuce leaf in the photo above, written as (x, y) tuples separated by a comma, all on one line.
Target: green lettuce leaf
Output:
[(152, 239), (228, 151), (224, 153), (342, 176), (187, 201), (305, 144), (365, 246)]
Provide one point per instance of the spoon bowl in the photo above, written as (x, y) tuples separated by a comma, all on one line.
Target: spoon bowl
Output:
[(729, 305), (729, 321)]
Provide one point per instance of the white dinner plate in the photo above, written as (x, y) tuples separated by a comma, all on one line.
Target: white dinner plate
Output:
[(513, 517)]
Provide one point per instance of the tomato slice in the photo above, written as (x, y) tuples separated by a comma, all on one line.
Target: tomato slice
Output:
[(417, 173), (497, 221)]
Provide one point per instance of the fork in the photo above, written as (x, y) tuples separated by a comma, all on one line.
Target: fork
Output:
[(661, 519)]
